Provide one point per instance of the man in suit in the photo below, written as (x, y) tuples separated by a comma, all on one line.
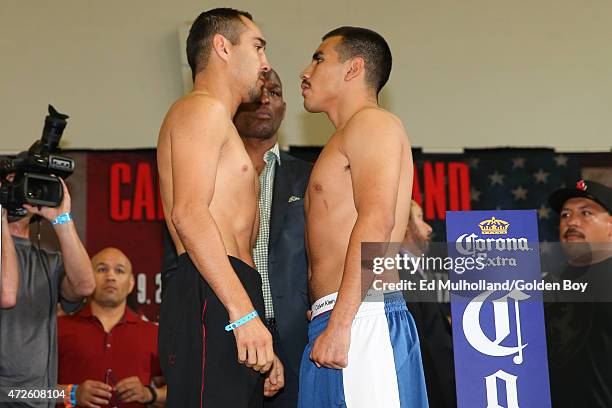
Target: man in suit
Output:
[(280, 253)]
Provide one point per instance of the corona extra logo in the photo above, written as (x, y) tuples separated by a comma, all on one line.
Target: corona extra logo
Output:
[(470, 245), (494, 227)]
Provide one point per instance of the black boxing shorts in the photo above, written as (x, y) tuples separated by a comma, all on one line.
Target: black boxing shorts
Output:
[(198, 357)]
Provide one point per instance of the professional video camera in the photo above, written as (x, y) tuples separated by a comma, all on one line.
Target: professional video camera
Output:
[(36, 171)]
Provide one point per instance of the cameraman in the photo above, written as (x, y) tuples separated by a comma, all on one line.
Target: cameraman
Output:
[(9, 275), (28, 332)]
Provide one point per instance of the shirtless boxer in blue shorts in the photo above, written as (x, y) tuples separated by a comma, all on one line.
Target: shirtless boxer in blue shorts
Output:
[(362, 352)]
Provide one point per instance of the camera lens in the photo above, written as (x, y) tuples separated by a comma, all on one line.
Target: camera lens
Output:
[(41, 189), (35, 192)]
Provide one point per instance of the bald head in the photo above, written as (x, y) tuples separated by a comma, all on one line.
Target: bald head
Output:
[(272, 75), (262, 118), (114, 278), (112, 253)]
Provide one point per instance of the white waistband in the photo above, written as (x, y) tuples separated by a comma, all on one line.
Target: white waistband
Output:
[(325, 304), (374, 300)]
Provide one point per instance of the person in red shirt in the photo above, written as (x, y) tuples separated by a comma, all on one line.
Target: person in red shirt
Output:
[(107, 354)]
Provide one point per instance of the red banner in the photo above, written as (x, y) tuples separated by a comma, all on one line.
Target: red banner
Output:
[(442, 186), (124, 210)]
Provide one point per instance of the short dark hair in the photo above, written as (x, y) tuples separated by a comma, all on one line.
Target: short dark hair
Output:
[(224, 21), (369, 45)]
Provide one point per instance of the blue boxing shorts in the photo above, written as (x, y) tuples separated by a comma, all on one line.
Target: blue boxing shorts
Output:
[(384, 360)]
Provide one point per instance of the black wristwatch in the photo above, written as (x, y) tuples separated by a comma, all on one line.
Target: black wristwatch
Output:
[(153, 395)]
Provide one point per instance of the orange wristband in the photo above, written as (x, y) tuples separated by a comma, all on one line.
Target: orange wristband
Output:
[(68, 397)]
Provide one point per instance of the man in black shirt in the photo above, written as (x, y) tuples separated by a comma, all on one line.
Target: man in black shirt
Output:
[(579, 326)]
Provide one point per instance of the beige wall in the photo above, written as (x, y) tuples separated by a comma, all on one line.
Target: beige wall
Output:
[(466, 74)]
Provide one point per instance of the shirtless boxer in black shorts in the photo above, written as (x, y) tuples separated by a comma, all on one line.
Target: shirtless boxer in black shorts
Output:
[(209, 190)]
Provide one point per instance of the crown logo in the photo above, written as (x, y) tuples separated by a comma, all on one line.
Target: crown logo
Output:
[(494, 226)]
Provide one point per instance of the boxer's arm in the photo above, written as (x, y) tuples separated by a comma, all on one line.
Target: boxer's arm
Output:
[(373, 147), (198, 135)]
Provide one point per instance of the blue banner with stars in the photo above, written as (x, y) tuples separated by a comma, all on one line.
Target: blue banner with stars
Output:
[(521, 179), (498, 178)]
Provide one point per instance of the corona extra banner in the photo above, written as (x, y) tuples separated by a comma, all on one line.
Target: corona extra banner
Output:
[(498, 324)]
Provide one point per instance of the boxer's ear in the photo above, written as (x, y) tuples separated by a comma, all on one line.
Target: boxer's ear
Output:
[(356, 67), (220, 46)]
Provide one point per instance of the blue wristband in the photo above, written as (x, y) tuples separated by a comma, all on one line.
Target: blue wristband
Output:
[(73, 400), (241, 321), (62, 219)]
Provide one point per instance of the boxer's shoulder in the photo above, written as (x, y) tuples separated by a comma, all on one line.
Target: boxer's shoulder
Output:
[(198, 104), (373, 116), (371, 121), (198, 114), (371, 126)]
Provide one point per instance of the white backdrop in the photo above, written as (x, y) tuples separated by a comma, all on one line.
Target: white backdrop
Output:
[(466, 74)]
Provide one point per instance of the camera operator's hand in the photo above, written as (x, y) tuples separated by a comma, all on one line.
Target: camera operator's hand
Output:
[(9, 267), (51, 213)]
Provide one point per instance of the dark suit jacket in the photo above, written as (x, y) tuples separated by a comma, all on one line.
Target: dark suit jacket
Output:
[(287, 261)]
